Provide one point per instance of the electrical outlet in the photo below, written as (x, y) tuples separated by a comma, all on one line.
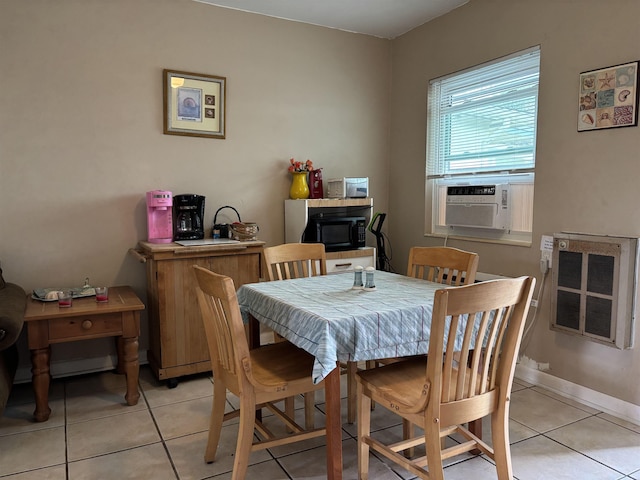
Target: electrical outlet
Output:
[(544, 265), (546, 250), (534, 303)]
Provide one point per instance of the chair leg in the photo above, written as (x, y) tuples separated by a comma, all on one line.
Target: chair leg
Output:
[(245, 436), (408, 431), (475, 427), (309, 409), (501, 448), (290, 409), (352, 368), (434, 445), (364, 430), (215, 422)]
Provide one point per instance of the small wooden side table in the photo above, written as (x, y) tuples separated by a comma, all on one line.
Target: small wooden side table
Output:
[(47, 324)]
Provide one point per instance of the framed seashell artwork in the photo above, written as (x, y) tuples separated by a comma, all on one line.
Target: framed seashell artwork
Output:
[(608, 97), (194, 104)]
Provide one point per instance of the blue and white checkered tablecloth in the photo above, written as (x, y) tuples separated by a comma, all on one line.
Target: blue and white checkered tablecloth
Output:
[(328, 319)]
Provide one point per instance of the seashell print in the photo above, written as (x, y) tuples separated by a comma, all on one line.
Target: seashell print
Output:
[(622, 96), (587, 118)]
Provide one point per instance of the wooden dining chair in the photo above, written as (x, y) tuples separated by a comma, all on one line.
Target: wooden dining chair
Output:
[(296, 260), (447, 265), (475, 336), (259, 377), (289, 261)]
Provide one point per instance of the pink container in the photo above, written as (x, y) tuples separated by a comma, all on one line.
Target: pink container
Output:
[(159, 216)]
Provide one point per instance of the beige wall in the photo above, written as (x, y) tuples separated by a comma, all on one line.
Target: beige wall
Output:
[(585, 182), (81, 133), (81, 125)]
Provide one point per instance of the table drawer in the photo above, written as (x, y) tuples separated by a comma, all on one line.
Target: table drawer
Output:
[(69, 328), (349, 264)]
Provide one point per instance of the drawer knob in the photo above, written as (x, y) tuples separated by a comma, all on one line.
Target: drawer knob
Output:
[(87, 324), (343, 265)]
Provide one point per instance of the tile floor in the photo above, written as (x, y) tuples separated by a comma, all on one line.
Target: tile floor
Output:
[(92, 434)]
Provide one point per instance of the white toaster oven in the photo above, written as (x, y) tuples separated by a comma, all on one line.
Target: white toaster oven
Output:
[(348, 187)]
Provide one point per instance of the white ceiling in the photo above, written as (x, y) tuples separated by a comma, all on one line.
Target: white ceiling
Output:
[(380, 18)]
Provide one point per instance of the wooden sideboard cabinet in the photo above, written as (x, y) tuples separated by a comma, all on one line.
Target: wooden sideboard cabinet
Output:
[(177, 342)]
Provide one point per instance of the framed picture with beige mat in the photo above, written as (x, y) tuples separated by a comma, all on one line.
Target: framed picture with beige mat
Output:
[(194, 104)]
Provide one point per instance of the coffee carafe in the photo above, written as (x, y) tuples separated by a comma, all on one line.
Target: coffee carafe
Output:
[(188, 212)]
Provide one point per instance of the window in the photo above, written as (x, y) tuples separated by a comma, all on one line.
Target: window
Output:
[(482, 131)]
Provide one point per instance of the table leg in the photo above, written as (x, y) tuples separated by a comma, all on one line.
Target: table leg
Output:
[(128, 363), (253, 337), (254, 332), (41, 378), (333, 424), (352, 369)]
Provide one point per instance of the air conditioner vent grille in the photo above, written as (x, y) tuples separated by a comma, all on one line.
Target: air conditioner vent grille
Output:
[(594, 287)]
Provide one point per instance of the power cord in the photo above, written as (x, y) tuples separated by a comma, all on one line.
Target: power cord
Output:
[(385, 260), (375, 227), (544, 269)]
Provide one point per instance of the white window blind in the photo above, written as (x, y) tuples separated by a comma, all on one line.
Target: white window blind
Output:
[(483, 120)]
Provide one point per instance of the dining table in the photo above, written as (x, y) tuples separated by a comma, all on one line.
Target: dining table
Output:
[(335, 322)]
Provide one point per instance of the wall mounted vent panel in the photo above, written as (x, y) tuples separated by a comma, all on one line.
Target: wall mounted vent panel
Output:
[(595, 282)]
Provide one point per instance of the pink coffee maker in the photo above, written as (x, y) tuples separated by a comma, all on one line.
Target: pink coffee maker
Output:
[(159, 216)]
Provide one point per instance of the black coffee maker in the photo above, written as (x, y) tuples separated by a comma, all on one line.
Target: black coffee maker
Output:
[(188, 214)]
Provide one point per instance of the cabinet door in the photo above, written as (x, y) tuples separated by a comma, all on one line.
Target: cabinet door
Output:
[(182, 335)]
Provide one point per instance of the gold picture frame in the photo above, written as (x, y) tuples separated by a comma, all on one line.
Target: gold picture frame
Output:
[(194, 104)]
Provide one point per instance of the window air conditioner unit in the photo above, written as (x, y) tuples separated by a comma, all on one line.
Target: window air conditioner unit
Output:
[(478, 206)]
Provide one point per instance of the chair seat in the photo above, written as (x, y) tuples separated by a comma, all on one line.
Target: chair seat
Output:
[(411, 390), (384, 380), (281, 362)]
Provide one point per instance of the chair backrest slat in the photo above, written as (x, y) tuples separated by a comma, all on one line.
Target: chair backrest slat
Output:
[(450, 266), (485, 355), (502, 338)]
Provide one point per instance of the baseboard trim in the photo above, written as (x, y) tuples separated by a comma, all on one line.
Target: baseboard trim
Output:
[(600, 401), (78, 366)]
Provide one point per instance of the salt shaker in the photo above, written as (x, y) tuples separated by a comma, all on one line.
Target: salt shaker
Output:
[(369, 283), (357, 278)]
